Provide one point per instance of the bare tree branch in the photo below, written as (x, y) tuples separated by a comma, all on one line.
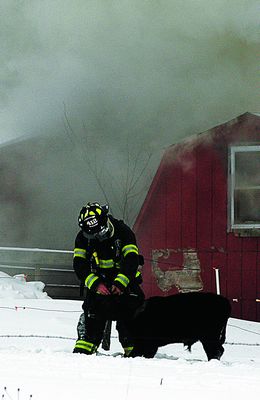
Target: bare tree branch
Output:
[(123, 189)]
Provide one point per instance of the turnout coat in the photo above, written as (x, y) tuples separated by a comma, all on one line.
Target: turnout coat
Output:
[(113, 261)]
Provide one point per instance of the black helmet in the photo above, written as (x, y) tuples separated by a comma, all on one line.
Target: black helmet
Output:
[(94, 221)]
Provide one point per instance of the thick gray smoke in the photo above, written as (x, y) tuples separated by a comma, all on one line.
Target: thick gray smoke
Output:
[(126, 74)]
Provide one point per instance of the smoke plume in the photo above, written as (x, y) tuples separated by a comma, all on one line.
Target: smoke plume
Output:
[(126, 75)]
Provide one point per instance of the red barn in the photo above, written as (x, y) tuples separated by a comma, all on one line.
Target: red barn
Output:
[(201, 218)]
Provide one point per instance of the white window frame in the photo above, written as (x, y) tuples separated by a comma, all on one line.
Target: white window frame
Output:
[(233, 151)]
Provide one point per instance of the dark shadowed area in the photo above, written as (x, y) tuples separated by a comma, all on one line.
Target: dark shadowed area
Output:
[(93, 91)]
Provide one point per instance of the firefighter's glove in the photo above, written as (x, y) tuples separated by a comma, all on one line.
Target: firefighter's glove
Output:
[(116, 290), (102, 289)]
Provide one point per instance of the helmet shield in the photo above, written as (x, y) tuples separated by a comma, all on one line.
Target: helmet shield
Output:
[(93, 221)]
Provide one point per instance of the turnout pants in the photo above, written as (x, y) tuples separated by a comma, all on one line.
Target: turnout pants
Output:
[(97, 310)]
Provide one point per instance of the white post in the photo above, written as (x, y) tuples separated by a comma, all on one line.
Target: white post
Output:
[(217, 280)]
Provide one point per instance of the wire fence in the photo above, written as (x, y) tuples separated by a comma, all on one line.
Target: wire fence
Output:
[(31, 336), (17, 308)]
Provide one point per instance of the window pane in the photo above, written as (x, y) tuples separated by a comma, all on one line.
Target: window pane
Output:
[(247, 206), (247, 169)]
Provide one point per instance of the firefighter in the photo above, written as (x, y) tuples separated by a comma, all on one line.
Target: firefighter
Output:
[(106, 259)]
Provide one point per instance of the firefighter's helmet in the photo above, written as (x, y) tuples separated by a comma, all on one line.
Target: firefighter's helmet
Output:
[(94, 222)]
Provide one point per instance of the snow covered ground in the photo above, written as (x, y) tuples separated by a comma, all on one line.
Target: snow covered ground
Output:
[(37, 335)]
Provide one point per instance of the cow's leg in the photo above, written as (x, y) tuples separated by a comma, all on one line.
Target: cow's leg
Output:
[(143, 350), (213, 349), (150, 351)]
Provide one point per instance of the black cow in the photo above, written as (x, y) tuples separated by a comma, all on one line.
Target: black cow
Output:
[(182, 318)]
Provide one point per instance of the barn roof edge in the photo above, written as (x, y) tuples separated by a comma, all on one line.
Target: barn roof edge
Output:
[(184, 141)]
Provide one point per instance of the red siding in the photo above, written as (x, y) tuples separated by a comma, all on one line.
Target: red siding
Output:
[(184, 220), (234, 279), (188, 201), (173, 207), (204, 195)]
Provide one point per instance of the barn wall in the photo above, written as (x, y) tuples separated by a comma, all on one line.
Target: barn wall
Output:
[(183, 229)]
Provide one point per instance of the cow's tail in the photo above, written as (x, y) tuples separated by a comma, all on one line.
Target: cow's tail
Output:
[(223, 334)]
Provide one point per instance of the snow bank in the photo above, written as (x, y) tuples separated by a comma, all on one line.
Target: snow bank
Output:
[(37, 337), (16, 287)]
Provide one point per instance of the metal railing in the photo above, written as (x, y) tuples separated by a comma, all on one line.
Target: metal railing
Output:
[(52, 267)]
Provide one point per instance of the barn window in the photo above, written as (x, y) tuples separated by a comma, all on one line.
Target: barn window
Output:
[(244, 188)]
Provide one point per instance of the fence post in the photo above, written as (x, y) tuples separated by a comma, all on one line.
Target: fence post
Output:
[(217, 280)]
